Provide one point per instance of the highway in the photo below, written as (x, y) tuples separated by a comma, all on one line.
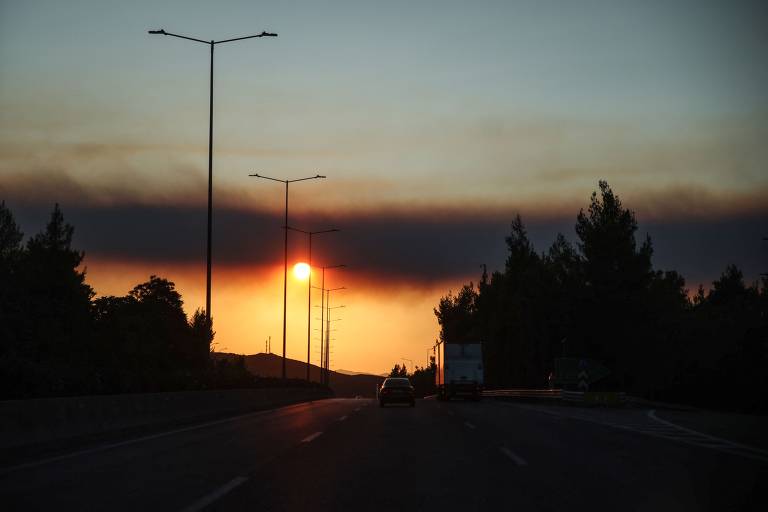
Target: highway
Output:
[(344, 454)]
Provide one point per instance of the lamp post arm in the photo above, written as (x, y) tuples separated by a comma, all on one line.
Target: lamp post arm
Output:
[(263, 34), (305, 179), (164, 33), (266, 178)]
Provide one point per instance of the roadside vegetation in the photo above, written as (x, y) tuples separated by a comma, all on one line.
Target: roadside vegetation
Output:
[(422, 379), (603, 299), (57, 339)]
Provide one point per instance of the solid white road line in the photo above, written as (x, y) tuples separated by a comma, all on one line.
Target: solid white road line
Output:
[(141, 439), (342, 418), (512, 455), (693, 437), (311, 437), (469, 425), (752, 451), (215, 495)]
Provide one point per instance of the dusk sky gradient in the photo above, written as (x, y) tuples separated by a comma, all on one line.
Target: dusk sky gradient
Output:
[(435, 122)]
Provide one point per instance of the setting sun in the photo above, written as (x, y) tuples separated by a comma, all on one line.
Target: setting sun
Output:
[(301, 271)]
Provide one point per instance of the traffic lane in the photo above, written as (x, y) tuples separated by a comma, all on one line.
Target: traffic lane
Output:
[(395, 458), (169, 469), (591, 463)]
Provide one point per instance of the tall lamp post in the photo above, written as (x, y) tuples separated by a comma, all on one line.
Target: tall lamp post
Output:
[(212, 44), (309, 286), (285, 247), (322, 311), (328, 333)]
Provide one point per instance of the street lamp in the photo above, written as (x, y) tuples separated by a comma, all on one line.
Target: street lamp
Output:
[(285, 247), (309, 285), (211, 43), (322, 310), (328, 333)]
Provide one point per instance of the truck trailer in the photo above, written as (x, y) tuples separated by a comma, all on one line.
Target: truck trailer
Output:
[(459, 371)]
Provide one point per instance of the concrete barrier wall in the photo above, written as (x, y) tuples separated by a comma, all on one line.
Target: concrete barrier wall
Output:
[(28, 422)]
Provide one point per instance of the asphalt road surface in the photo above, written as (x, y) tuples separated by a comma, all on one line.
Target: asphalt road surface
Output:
[(352, 455)]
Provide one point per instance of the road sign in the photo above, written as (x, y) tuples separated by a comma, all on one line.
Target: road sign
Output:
[(583, 380), (568, 371)]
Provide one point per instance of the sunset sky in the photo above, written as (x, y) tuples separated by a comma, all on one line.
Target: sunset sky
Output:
[(434, 121)]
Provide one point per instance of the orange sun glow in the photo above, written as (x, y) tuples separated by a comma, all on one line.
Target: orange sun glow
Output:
[(301, 271)]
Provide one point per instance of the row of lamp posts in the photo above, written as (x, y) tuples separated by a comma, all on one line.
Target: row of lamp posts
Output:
[(325, 351)]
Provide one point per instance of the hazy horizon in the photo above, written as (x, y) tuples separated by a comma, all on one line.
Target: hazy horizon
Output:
[(435, 125)]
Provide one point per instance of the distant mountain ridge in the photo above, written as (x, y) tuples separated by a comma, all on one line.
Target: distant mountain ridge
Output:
[(343, 382), (351, 372)]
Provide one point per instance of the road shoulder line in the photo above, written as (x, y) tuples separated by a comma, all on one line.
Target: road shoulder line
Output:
[(652, 415), (513, 456), (215, 495), (311, 437), (110, 446)]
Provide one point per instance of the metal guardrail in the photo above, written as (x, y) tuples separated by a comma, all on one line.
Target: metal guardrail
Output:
[(588, 397), (572, 396), (595, 397), (523, 393)]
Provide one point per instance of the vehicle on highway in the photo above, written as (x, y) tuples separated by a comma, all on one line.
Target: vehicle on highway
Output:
[(459, 371), (396, 390)]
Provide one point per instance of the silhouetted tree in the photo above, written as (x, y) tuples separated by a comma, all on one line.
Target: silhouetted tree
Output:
[(398, 371), (423, 379), (56, 339), (53, 321), (147, 341), (11, 252), (605, 301), (455, 314), (616, 274)]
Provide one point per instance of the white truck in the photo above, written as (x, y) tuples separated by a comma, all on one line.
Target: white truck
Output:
[(459, 370)]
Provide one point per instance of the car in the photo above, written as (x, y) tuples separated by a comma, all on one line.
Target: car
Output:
[(396, 390)]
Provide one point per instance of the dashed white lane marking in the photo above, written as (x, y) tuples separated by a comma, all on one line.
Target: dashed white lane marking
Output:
[(215, 495), (342, 418), (512, 455), (469, 425), (311, 437)]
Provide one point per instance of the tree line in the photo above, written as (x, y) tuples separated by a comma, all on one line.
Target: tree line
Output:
[(422, 378), (57, 338), (602, 299)]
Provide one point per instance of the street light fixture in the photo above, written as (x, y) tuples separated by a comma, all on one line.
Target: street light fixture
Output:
[(328, 333), (211, 43), (285, 247), (309, 287), (322, 310)]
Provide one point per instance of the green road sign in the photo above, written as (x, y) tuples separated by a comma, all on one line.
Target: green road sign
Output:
[(569, 369)]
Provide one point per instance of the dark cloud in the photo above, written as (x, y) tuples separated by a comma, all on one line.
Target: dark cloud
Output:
[(418, 246)]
